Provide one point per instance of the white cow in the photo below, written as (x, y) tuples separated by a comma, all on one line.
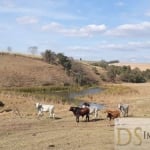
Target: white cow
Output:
[(45, 108), (93, 109), (124, 108)]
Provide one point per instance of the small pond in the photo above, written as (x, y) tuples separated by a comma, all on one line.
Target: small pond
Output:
[(89, 91), (73, 95)]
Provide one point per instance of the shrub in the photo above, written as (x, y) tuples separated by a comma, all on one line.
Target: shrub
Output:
[(64, 61), (49, 56), (125, 73)]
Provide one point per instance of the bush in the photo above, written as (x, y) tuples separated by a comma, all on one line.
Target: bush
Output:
[(49, 56), (126, 74), (102, 64), (146, 74)]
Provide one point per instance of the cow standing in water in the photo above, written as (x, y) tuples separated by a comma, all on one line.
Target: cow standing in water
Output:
[(77, 111)]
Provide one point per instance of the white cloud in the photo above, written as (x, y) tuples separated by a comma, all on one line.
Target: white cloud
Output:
[(130, 46), (85, 31), (79, 48), (131, 30), (9, 6), (53, 26), (27, 20)]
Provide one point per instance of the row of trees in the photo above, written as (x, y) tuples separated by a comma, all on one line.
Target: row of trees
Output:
[(112, 74), (123, 73), (53, 58), (71, 67)]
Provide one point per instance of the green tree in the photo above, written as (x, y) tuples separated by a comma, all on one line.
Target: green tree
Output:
[(64, 61), (49, 56), (111, 73), (146, 74)]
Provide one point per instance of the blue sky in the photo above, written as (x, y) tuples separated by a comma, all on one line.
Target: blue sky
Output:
[(87, 29)]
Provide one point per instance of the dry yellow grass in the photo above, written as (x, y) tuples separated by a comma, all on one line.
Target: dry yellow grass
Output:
[(22, 71), (26, 71), (141, 66), (29, 132), (137, 95)]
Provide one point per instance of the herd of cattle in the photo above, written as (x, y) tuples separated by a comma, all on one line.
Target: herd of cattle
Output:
[(86, 109)]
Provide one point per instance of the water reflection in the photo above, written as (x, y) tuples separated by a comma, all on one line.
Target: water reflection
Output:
[(90, 91)]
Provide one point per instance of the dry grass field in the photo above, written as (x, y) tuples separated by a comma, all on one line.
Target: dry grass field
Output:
[(24, 131), (141, 66), (17, 70), (24, 71), (20, 129)]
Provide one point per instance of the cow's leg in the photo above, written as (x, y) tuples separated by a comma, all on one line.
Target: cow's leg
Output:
[(87, 117), (124, 113), (77, 118), (53, 115), (96, 114), (50, 113), (110, 117), (39, 113), (127, 111)]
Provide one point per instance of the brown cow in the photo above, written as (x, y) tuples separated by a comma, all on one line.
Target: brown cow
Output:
[(77, 111), (112, 114)]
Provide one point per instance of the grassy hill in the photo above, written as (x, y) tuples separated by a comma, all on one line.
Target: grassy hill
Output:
[(21, 71), (18, 70)]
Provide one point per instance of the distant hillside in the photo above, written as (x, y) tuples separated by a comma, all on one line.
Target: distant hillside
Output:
[(141, 66), (21, 71), (17, 70)]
